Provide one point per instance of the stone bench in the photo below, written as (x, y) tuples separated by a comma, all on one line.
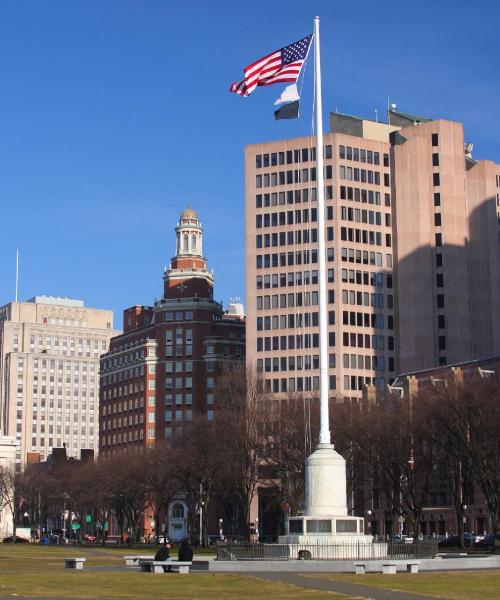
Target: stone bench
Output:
[(412, 566), (74, 563), (133, 560), (164, 566), (388, 567)]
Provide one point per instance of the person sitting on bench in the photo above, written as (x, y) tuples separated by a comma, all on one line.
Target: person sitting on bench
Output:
[(185, 552)]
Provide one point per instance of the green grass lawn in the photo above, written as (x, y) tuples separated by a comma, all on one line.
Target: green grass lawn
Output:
[(46, 576), (454, 585)]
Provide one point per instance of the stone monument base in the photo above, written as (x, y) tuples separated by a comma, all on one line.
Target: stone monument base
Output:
[(330, 537)]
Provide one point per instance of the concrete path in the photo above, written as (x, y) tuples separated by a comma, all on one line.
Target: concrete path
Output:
[(349, 589)]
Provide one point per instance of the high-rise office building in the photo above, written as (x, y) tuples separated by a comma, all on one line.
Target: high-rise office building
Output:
[(412, 253), (49, 383), (163, 369)]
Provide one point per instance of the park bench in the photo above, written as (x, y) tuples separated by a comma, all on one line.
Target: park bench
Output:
[(389, 567), (74, 563), (133, 560), (164, 566)]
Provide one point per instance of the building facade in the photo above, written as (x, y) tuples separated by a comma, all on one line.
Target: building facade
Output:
[(49, 385), (8, 448), (439, 513), (412, 254), (163, 369)]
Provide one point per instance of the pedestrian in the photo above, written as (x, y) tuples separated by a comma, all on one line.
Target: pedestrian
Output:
[(185, 552)]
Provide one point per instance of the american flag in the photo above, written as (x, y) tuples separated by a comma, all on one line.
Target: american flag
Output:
[(278, 67)]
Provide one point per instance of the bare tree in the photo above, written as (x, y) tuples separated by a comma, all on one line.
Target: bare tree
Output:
[(238, 412), (163, 482), (9, 493), (468, 414), (129, 487)]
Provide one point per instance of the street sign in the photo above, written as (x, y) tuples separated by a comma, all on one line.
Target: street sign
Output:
[(88, 518), (75, 525)]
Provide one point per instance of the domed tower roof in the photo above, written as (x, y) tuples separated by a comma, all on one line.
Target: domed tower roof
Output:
[(188, 213)]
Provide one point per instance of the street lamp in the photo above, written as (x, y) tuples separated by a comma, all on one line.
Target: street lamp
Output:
[(221, 535)]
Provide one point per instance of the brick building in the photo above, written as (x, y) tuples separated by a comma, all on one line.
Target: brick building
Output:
[(163, 368)]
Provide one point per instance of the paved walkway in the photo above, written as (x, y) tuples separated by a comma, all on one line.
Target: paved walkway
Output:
[(349, 589)]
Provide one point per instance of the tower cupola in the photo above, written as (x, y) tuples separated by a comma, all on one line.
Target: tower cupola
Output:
[(189, 234), (188, 275)]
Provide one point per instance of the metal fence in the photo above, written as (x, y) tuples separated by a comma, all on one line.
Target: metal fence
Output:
[(320, 551)]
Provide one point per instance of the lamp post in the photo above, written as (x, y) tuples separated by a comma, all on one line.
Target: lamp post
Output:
[(221, 534)]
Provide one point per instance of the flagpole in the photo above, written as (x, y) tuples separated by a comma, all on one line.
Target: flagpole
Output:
[(17, 272), (324, 435)]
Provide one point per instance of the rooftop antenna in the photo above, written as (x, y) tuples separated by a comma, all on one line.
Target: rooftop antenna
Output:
[(376, 115), (17, 273)]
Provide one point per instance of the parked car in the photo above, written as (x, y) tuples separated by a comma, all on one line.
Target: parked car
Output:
[(487, 542), (18, 540), (454, 540), (90, 537)]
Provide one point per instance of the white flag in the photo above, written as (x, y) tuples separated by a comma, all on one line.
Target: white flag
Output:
[(289, 94)]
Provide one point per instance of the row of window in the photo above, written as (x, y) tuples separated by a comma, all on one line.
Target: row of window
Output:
[(289, 197), (294, 177), (181, 398), (292, 321), (361, 361), (291, 363), (369, 217), (363, 176), (362, 155), (126, 436), (364, 236), (363, 257), (291, 300), (290, 217), (180, 415), (123, 406), (363, 196), (373, 320), (288, 259), (292, 342), (289, 157), (364, 340), (179, 316), (375, 300), (290, 238), (178, 382), (366, 278)]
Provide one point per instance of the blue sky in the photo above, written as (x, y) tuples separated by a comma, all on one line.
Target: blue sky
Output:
[(114, 114)]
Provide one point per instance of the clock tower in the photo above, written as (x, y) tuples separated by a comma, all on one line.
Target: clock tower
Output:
[(188, 276)]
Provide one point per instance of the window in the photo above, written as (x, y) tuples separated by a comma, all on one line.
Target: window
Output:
[(439, 280), (437, 219), (436, 179), (439, 260), (437, 199), (440, 301), (435, 139), (442, 342), (441, 322)]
